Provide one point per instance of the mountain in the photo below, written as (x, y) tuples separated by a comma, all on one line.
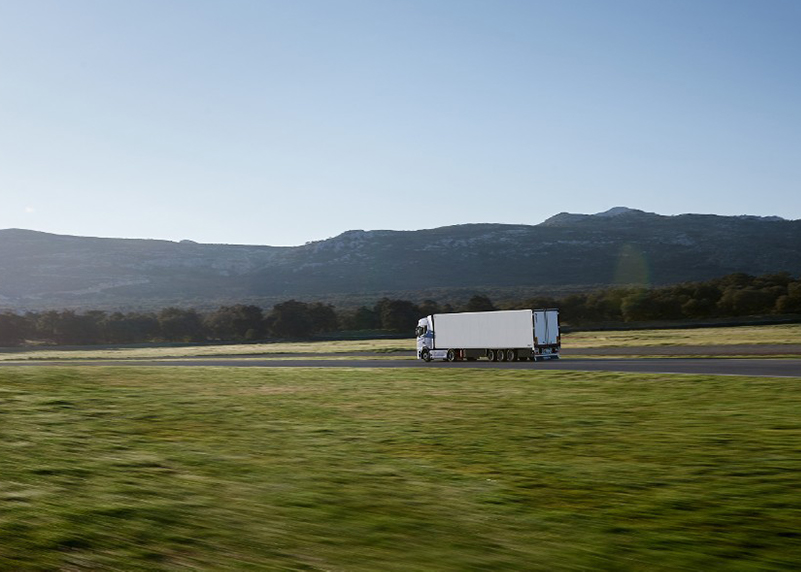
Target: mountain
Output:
[(566, 252)]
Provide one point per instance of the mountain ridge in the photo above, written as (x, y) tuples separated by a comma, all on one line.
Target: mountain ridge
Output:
[(566, 252)]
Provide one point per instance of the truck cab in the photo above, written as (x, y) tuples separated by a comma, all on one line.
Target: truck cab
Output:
[(425, 337)]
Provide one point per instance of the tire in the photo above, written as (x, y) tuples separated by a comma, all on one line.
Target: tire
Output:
[(511, 355), (501, 355), (425, 354), (491, 355), (451, 355)]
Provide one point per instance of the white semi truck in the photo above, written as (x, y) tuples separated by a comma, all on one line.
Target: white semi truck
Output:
[(503, 335)]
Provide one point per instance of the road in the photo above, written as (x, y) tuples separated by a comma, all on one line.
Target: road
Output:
[(709, 366)]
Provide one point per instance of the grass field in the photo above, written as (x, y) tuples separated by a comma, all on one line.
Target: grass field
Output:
[(364, 470), (782, 334), (381, 346)]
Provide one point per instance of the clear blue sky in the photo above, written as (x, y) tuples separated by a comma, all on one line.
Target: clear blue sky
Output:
[(280, 122)]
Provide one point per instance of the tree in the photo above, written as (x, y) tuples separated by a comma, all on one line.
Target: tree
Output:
[(780, 279), (179, 325), (790, 303), (659, 304), (607, 305), (573, 308), (638, 306), (323, 318), (397, 315), (736, 280), (67, 327), (290, 319), (12, 329), (540, 302), (429, 307), (699, 308), (131, 328), (479, 303), (239, 322), (362, 319), (702, 300), (746, 302)]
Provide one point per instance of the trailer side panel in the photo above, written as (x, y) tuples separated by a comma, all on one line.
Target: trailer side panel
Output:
[(500, 329)]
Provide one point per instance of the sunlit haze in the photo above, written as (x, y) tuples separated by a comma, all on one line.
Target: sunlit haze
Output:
[(281, 122)]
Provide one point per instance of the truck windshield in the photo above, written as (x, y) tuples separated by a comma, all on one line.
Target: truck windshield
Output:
[(421, 330)]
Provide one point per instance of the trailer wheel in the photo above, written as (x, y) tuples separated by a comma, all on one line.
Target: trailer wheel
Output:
[(501, 355), (451, 355), (511, 355), (425, 354), (491, 355)]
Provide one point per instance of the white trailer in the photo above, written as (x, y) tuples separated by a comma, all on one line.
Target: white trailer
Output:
[(503, 335)]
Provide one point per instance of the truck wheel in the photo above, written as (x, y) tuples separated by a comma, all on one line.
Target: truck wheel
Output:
[(491, 355), (451, 355), (511, 355), (425, 354), (501, 355)]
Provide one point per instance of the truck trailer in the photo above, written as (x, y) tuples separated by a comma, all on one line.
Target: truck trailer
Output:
[(503, 335)]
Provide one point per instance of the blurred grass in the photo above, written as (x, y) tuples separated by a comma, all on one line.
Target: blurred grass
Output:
[(321, 469)]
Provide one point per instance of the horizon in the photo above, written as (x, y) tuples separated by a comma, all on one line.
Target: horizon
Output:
[(274, 123), (602, 213)]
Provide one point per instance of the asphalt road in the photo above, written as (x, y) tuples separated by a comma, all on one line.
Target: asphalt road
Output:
[(710, 366)]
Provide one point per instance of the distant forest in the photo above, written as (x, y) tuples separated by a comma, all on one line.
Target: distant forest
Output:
[(733, 296)]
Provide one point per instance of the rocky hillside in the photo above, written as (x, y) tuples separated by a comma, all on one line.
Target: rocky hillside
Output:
[(568, 251)]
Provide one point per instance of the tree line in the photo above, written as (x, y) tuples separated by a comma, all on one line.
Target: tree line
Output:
[(735, 295)]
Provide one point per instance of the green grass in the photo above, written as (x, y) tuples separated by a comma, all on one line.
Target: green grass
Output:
[(364, 470), (781, 334), (158, 352)]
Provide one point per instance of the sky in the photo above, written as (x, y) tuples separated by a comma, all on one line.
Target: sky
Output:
[(281, 122)]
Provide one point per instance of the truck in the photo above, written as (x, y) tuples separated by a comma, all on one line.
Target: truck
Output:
[(501, 335)]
